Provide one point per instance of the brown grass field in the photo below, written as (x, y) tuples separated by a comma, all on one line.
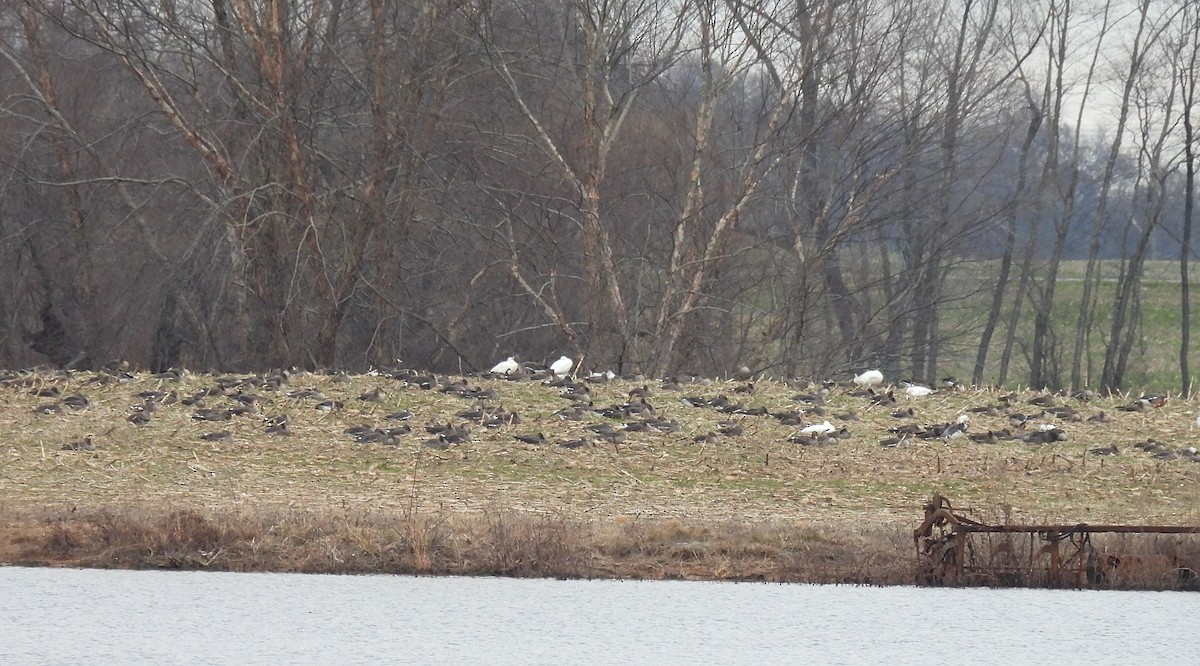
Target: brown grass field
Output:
[(657, 504)]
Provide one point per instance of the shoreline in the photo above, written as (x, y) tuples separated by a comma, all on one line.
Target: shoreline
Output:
[(492, 543), (518, 545)]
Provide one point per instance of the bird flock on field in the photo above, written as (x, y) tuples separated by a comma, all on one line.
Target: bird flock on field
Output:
[(230, 406)]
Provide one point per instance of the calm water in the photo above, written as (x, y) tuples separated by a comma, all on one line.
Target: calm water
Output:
[(57, 616)]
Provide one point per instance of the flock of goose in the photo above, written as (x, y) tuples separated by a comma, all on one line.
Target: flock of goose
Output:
[(270, 399)]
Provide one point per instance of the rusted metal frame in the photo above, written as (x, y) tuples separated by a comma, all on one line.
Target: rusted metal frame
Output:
[(955, 532), (1064, 530)]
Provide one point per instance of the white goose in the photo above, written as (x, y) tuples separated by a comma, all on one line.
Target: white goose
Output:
[(869, 378), (506, 367), (916, 390), (818, 429), (562, 366)]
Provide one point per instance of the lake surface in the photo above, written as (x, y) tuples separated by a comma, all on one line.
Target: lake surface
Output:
[(66, 616)]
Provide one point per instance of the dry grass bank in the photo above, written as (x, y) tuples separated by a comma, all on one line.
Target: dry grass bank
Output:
[(710, 494), (503, 544), (521, 545)]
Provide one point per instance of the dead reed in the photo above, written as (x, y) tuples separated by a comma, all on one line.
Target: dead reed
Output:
[(507, 544), (489, 543)]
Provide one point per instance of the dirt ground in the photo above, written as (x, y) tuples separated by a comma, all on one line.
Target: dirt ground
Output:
[(740, 459)]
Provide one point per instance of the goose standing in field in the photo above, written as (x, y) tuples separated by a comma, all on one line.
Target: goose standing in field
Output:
[(562, 366), (506, 367), (869, 378)]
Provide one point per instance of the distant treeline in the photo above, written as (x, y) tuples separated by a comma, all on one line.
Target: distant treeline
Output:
[(650, 187)]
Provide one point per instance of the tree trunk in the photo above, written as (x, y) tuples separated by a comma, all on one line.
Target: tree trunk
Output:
[(1087, 305), (85, 329), (1012, 208), (1189, 208)]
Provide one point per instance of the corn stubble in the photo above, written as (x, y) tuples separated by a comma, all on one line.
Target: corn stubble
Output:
[(526, 488)]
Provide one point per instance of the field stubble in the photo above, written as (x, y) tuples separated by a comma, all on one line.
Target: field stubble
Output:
[(658, 504)]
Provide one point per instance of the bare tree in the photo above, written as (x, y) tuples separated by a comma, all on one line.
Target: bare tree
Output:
[(611, 54), (1156, 101), (1012, 208), (1144, 35), (1188, 71), (801, 187), (260, 93)]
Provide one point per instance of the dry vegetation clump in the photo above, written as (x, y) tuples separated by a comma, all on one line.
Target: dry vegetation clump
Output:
[(1107, 560), (411, 472), (772, 551), (1158, 562)]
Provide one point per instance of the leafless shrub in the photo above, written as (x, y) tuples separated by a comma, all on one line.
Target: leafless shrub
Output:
[(522, 545)]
